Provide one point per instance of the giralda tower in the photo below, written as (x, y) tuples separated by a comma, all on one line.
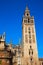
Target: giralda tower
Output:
[(30, 51)]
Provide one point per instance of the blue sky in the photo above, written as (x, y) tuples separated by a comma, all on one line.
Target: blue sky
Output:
[(11, 13)]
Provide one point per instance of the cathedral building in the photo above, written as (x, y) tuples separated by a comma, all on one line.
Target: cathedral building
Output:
[(25, 53)]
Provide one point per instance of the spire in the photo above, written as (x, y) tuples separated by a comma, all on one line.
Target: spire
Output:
[(27, 12), (26, 9), (11, 41), (2, 37), (4, 34)]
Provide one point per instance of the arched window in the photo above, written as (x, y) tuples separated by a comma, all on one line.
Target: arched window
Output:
[(25, 21), (27, 14), (30, 51), (31, 59), (30, 47), (28, 21)]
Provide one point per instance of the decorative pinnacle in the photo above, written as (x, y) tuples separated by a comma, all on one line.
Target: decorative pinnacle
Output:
[(27, 10), (26, 7), (4, 34), (11, 41)]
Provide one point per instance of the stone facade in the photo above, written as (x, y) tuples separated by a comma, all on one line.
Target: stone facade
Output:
[(25, 53)]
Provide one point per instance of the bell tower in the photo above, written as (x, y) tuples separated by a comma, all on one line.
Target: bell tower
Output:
[(30, 51)]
